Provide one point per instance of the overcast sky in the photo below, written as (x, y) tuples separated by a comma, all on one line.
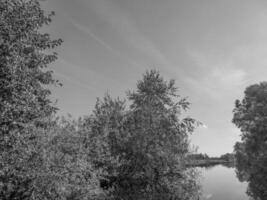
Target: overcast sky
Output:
[(213, 48)]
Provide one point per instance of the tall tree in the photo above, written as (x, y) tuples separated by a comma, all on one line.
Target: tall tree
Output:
[(25, 53), (147, 142), (160, 136), (250, 115)]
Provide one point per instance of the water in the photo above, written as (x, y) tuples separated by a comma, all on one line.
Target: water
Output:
[(221, 183)]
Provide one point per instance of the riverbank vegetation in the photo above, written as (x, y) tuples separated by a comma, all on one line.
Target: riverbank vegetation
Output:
[(203, 160), (250, 116), (116, 152)]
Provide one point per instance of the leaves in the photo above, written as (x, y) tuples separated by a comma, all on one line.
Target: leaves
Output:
[(250, 115), (23, 58), (143, 148), (24, 98)]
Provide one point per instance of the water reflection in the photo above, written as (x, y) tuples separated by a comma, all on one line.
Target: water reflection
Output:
[(220, 183), (210, 166), (245, 179), (256, 176), (184, 187)]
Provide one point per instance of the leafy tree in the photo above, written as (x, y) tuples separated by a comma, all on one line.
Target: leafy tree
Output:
[(67, 171), (24, 95), (250, 115), (108, 136), (24, 59), (145, 146), (160, 137), (56, 165)]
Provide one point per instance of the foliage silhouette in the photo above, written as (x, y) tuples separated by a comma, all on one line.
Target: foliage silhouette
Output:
[(250, 115)]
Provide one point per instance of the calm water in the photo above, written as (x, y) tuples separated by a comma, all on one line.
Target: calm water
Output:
[(221, 183)]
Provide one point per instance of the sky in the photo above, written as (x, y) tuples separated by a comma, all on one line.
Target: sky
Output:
[(214, 49)]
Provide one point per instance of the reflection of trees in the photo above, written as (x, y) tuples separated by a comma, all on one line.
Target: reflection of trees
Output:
[(241, 162), (211, 166), (169, 188), (256, 176), (229, 164), (258, 182), (250, 116), (208, 167)]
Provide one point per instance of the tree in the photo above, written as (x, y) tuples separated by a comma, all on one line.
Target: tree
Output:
[(67, 172), (229, 157), (250, 115), (160, 137), (145, 146), (24, 58), (108, 136), (24, 94)]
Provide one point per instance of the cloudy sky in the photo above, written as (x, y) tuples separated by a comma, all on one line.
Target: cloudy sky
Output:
[(213, 49)]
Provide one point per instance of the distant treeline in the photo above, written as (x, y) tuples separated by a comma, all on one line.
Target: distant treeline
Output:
[(199, 160)]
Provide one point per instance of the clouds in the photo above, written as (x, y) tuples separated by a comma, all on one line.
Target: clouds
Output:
[(218, 74), (214, 49), (229, 77), (88, 32), (128, 35)]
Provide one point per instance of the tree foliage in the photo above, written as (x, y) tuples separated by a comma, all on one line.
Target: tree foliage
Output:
[(67, 172), (250, 115), (24, 57), (24, 95), (144, 147)]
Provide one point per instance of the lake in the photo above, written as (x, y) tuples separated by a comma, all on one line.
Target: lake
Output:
[(220, 183)]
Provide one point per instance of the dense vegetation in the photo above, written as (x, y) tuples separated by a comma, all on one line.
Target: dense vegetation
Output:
[(250, 115), (117, 152)]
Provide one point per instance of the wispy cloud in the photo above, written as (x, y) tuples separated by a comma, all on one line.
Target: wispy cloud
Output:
[(80, 84), (87, 31), (98, 39), (221, 70), (217, 74), (128, 32), (228, 77), (76, 74)]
